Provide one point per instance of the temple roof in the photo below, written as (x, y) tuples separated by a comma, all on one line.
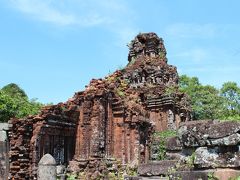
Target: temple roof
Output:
[(146, 44)]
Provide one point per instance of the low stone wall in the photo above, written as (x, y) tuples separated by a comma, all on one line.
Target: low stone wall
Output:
[(201, 150), (214, 144)]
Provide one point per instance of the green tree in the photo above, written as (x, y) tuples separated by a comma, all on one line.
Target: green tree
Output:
[(207, 103), (205, 100), (230, 92), (188, 84), (14, 90), (7, 107), (15, 103)]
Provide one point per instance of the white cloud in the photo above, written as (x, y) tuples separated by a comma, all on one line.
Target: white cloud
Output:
[(189, 30), (75, 12), (115, 16), (41, 10)]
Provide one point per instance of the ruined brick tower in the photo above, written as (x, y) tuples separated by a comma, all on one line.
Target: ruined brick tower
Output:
[(113, 117)]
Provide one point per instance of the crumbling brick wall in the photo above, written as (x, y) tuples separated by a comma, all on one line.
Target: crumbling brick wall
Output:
[(52, 131), (105, 129)]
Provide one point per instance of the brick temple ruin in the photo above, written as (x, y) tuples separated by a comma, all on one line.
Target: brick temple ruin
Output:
[(113, 117)]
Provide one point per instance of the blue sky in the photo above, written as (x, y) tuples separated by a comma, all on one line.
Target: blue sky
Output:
[(52, 48)]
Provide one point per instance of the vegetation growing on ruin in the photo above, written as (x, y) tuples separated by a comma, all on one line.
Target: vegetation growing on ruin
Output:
[(170, 90), (162, 55), (123, 84), (162, 144), (190, 161), (211, 176), (236, 178), (71, 176)]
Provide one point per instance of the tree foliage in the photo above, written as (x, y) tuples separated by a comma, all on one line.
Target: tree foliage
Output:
[(14, 90), (231, 95), (209, 102), (15, 103)]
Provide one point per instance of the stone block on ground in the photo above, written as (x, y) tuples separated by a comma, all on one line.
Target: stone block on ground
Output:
[(211, 158), (209, 133), (156, 168), (173, 144)]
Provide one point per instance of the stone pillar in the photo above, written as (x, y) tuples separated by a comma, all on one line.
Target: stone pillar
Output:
[(4, 149), (171, 120), (47, 168)]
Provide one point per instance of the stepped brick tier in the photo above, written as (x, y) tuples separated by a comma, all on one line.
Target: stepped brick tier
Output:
[(113, 117)]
